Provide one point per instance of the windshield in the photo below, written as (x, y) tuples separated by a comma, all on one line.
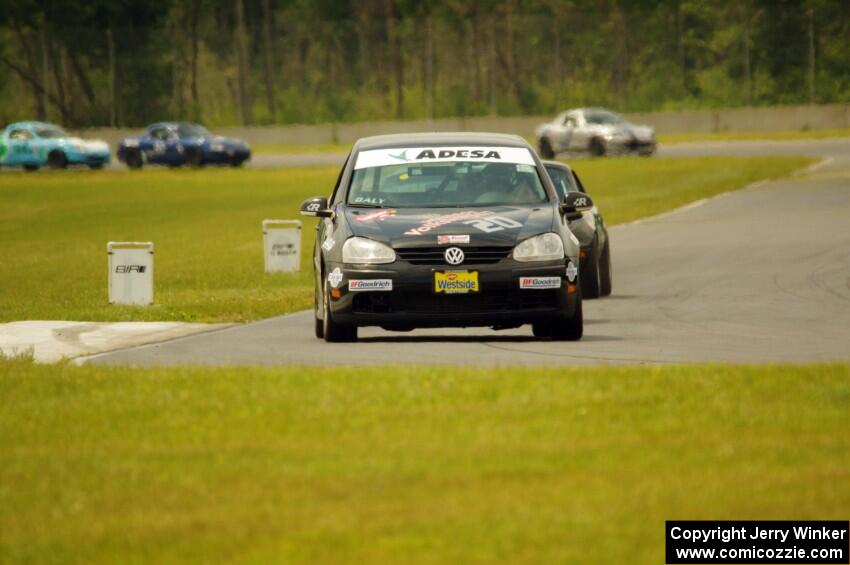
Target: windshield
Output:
[(560, 180), (50, 132), (454, 182), (192, 130), (602, 117)]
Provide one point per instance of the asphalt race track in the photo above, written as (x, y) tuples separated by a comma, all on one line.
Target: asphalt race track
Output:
[(758, 275)]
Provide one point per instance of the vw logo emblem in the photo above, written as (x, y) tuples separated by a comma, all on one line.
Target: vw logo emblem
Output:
[(454, 255)]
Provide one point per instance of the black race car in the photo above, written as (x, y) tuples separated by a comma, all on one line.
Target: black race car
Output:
[(595, 269), (446, 230)]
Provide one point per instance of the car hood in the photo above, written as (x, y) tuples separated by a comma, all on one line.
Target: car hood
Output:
[(419, 227), (227, 141)]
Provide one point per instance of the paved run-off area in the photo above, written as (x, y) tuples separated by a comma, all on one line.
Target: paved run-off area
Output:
[(758, 275)]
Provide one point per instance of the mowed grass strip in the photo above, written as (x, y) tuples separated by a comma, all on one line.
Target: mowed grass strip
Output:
[(296, 148), (788, 135), (408, 465), (206, 225)]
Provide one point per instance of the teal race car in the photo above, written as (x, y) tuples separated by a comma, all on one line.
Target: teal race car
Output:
[(33, 145)]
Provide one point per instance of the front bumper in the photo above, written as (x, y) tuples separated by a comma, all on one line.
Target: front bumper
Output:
[(412, 301), (89, 157), (227, 155), (631, 145)]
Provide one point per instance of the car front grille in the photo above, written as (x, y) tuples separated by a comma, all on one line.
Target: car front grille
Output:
[(435, 255), (430, 303)]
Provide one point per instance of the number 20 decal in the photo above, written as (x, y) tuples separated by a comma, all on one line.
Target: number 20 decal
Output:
[(493, 223)]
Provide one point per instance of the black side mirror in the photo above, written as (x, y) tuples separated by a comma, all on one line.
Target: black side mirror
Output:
[(574, 203), (316, 206)]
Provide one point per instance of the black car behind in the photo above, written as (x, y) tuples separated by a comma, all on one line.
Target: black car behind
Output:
[(596, 276)]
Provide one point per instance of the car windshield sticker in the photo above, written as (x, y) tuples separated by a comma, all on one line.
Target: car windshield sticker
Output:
[(368, 200), (377, 216), (491, 154)]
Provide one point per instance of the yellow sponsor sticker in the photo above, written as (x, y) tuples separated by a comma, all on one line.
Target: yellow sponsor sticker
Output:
[(456, 282)]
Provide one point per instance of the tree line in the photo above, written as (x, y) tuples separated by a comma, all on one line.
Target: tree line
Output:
[(254, 62)]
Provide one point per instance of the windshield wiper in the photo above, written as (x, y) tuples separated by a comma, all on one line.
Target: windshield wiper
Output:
[(365, 205)]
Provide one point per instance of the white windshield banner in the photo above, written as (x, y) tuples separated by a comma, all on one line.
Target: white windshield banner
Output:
[(401, 156)]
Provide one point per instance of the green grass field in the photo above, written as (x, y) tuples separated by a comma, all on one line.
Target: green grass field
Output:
[(408, 465), (206, 226)]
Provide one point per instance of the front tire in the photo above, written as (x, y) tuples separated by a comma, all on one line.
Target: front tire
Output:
[(95, 166), (194, 157), (605, 271), (133, 159), (57, 160), (318, 323), (591, 276), (572, 328), (334, 332), (564, 329), (597, 147), (31, 168), (546, 150)]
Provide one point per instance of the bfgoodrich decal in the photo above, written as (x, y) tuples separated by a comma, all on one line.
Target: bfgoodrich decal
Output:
[(400, 156), (370, 284), (540, 282)]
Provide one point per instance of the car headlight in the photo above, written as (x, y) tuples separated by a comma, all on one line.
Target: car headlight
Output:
[(366, 251), (544, 247)]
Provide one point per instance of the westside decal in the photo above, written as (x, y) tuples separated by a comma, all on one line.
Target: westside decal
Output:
[(376, 216), (370, 284), (445, 219), (487, 154), (539, 282)]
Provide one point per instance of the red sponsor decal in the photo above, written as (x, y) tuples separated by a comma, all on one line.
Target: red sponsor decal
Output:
[(376, 216), (451, 276), (438, 221)]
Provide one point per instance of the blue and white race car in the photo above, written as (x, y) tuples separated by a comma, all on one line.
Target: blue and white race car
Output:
[(181, 143), (32, 145)]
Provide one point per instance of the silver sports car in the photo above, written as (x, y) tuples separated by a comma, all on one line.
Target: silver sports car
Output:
[(595, 130)]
